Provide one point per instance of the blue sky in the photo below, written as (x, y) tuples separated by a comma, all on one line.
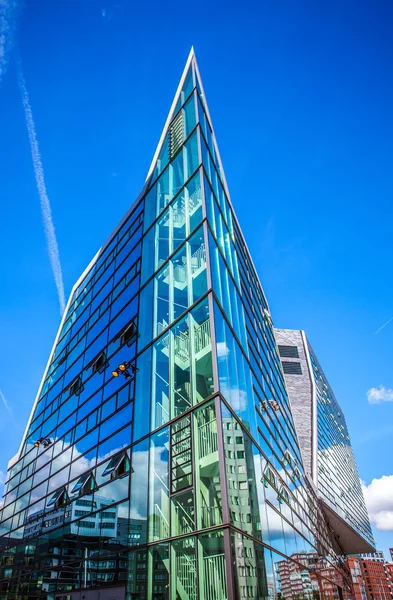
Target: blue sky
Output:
[(300, 94)]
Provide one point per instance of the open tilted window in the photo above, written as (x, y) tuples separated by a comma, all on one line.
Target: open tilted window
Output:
[(283, 496), (85, 484), (59, 499), (129, 334), (63, 356), (269, 478), (288, 459), (76, 386), (296, 474), (118, 466), (100, 363)]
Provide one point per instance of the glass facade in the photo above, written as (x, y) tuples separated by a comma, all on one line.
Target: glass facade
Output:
[(161, 459), (324, 441), (338, 479)]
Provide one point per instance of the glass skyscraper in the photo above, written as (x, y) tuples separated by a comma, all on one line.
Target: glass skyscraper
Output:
[(324, 442), (161, 459)]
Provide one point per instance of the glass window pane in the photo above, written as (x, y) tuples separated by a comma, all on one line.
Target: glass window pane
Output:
[(189, 115), (180, 282), (184, 569), (193, 192), (212, 574), (159, 486), (191, 156), (160, 391), (162, 291), (208, 493), (178, 221), (139, 487), (162, 239), (202, 351), (198, 265), (180, 353), (183, 513)]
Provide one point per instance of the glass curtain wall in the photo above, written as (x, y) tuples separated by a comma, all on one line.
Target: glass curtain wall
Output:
[(161, 458)]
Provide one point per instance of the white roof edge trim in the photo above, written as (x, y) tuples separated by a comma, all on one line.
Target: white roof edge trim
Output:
[(75, 286), (314, 432), (191, 56)]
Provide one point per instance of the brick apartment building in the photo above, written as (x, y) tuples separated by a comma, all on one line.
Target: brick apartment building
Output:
[(376, 580)]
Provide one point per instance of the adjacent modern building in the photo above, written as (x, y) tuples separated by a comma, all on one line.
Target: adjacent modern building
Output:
[(377, 580), (359, 585), (161, 459), (324, 442), (377, 556)]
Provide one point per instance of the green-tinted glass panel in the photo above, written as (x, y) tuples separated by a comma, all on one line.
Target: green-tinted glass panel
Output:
[(184, 569), (162, 299), (179, 221), (198, 265), (207, 469), (212, 566), (202, 351), (194, 201), (180, 282), (180, 351), (159, 486), (158, 572)]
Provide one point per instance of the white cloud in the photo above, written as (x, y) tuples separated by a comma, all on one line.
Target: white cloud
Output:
[(3, 477), (222, 350), (379, 500), (380, 394)]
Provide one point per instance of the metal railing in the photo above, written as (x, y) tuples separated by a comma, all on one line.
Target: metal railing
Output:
[(215, 577), (186, 575), (198, 259), (160, 524), (202, 337), (208, 438)]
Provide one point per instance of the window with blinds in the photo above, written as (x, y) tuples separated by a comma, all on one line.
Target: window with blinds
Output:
[(177, 134), (291, 368), (288, 351)]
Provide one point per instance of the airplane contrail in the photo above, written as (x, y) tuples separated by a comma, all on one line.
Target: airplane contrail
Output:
[(6, 406), (8, 21), (387, 323), (46, 212)]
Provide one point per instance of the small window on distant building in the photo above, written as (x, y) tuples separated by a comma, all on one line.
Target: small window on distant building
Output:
[(291, 368), (288, 351)]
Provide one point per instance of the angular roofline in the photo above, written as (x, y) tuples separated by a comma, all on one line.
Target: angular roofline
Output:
[(170, 115)]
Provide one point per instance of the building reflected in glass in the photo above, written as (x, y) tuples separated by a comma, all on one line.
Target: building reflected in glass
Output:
[(161, 459)]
